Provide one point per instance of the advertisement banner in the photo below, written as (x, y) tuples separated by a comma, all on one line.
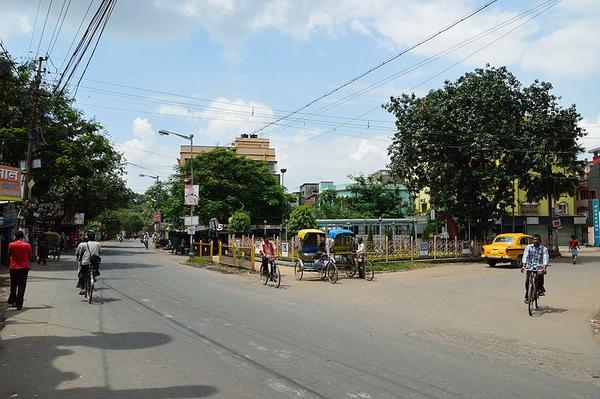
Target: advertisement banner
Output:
[(79, 219), (190, 195), (191, 220), (156, 217), (10, 183), (596, 218)]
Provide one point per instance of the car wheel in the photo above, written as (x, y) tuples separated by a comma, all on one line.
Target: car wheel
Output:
[(491, 263)]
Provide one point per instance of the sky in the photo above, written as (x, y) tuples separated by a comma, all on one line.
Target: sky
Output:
[(221, 68)]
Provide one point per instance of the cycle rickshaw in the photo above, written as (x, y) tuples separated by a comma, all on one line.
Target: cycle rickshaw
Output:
[(313, 256), (345, 254)]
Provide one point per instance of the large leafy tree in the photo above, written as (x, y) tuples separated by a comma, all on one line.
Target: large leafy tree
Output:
[(228, 182), (372, 197), (80, 172), (468, 142), (302, 217)]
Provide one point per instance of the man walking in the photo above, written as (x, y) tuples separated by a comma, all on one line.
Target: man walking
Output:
[(19, 253)]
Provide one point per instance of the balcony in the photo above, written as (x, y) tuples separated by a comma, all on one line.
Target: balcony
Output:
[(530, 209)]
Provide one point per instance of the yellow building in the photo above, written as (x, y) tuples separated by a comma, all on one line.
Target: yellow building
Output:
[(251, 146)]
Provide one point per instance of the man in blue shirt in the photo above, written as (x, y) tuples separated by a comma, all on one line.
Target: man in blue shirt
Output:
[(535, 258)]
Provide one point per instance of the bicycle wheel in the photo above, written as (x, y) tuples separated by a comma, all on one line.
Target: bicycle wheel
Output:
[(531, 296), (90, 286), (264, 275), (369, 271), (276, 277), (332, 273), (298, 269), (351, 270)]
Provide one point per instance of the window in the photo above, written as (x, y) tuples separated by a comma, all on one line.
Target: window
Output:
[(563, 208), (506, 240), (524, 241), (528, 207)]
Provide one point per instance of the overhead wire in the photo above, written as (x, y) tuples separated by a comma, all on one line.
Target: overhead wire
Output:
[(37, 52), (435, 75), (426, 61), (34, 26), (360, 76), (59, 25)]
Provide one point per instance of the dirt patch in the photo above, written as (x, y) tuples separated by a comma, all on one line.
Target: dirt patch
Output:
[(551, 360), (595, 323), (219, 268)]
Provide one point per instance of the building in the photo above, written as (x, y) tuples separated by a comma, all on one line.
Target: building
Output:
[(251, 146)]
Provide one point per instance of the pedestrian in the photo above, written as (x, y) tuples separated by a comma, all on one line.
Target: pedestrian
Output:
[(19, 252), (360, 258), (573, 247), (42, 248)]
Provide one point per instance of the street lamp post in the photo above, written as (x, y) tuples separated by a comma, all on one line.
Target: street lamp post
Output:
[(191, 139), (282, 170), (380, 230), (265, 227), (156, 198), (286, 229)]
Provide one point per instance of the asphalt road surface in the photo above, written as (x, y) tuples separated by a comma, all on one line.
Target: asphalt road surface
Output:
[(160, 329)]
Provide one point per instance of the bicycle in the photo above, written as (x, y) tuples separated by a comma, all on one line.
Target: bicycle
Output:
[(532, 290), (264, 274), (328, 269), (88, 286), (369, 270)]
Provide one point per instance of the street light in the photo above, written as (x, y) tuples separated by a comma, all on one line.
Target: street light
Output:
[(265, 227), (286, 229), (380, 229), (282, 170), (156, 199), (190, 137)]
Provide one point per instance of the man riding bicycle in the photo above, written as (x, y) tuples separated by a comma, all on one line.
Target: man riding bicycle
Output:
[(268, 252), (535, 258), (83, 254)]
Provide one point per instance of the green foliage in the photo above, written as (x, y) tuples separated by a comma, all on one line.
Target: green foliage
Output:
[(431, 228), (227, 182), (80, 172), (372, 198), (129, 220), (239, 222), (468, 141), (302, 217)]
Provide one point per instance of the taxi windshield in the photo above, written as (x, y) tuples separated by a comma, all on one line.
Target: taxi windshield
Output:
[(506, 240)]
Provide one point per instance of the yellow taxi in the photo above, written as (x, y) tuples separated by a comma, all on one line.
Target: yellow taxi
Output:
[(506, 248)]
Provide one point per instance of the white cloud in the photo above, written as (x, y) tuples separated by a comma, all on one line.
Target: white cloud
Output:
[(592, 140), (146, 155), (227, 119), (13, 21)]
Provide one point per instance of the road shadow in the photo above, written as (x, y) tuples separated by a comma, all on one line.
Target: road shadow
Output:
[(33, 374), (100, 300), (548, 310)]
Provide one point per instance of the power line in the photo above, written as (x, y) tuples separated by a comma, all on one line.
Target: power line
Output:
[(59, 25), (34, 26), (420, 43), (439, 73), (43, 29), (427, 60)]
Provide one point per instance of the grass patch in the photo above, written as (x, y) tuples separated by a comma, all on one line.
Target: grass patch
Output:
[(201, 262), (400, 266)]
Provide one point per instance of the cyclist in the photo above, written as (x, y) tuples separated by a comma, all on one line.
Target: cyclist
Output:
[(573, 247), (83, 254), (267, 251), (535, 257)]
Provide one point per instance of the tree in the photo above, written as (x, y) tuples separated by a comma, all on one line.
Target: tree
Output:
[(303, 217), (228, 182), (80, 172), (373, 198), (239, 222), (469, 141)]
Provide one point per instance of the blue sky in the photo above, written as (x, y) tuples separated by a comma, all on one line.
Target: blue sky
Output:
[(219, 68)]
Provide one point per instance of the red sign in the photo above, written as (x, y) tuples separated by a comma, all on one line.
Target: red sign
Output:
[(156, 217), (556, 223), (10, 183)]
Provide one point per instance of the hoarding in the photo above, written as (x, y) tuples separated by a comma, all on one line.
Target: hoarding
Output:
[(596, 218), (79, 219), (190, 195), (10, 183), (156, 217)]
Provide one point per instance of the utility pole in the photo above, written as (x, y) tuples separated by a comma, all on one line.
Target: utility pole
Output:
[(33, 134)]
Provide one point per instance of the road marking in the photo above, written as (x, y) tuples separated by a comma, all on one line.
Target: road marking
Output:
[(280, 387)]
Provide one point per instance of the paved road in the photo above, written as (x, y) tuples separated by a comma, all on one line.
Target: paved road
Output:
[(163, 330)]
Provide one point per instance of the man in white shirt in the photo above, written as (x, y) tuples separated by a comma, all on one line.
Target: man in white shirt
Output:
[(360, 257), (83, 254)]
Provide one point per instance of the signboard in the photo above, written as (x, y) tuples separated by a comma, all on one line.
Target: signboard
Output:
[(9, 216), (191, 220), (596, 218), (579, 220), (466, 248), (10, 183), (533, 220), (156, 217), (284, 249), (556, 222), (191, 229), (424, 248), (79, 218), (190, 195)]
